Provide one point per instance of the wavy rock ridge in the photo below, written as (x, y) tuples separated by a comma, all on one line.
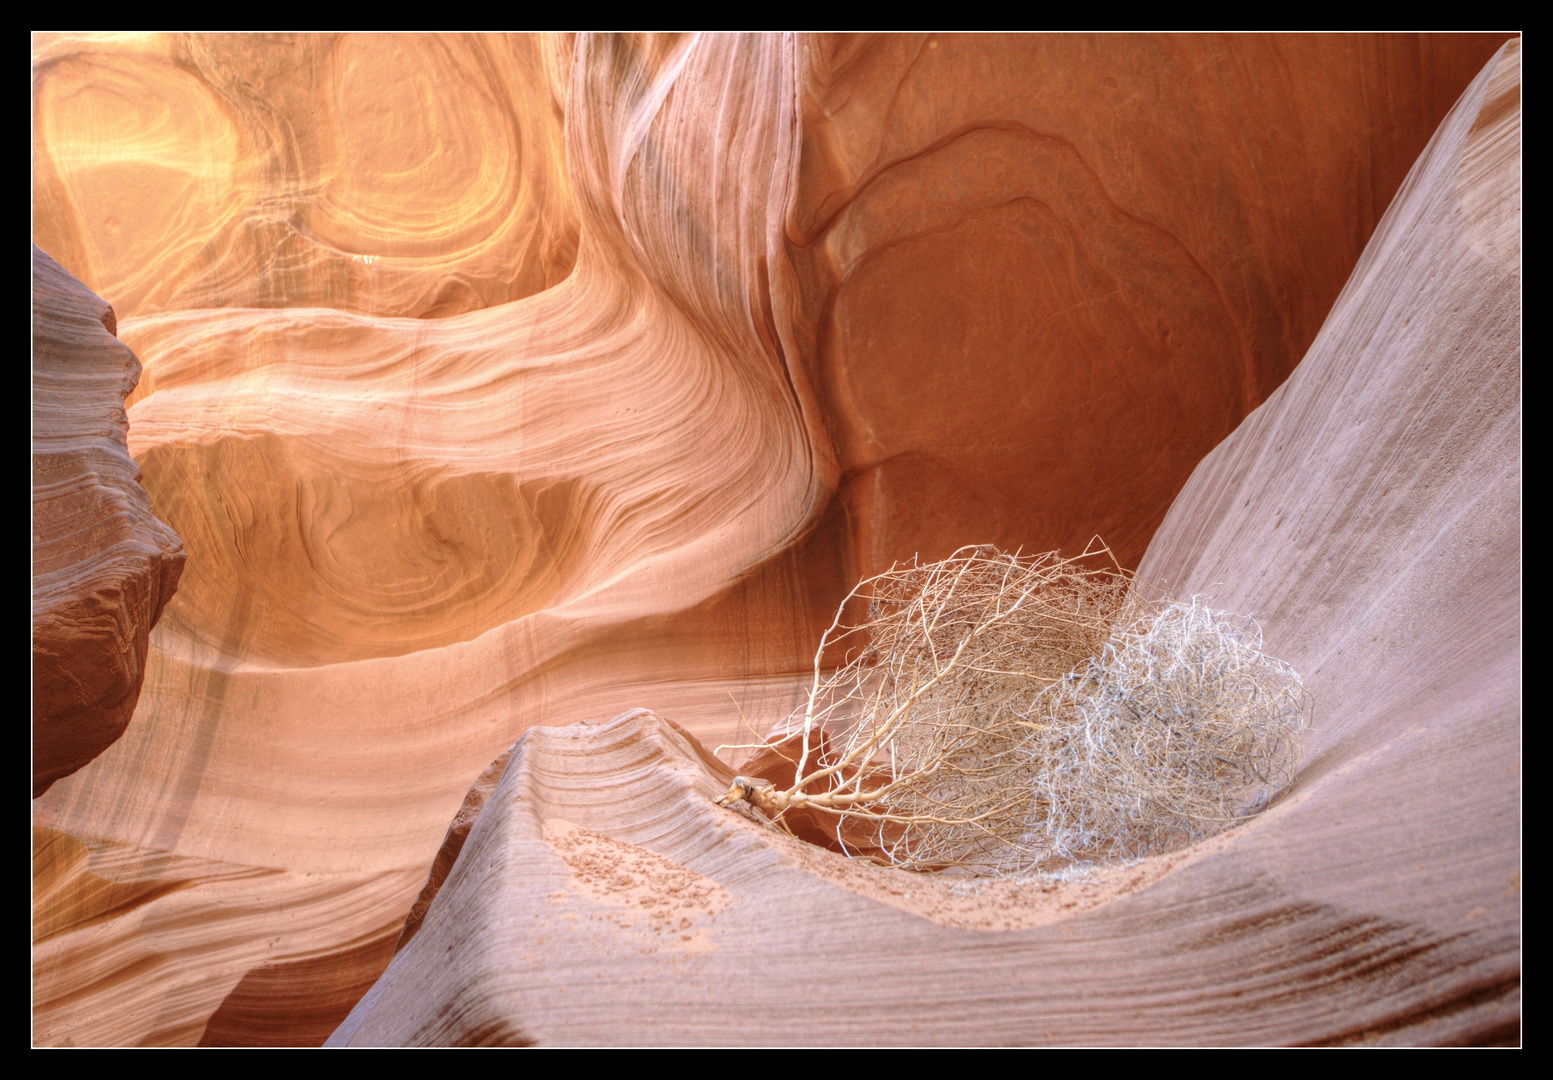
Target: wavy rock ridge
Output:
[(177, 171), (103, 565), (411, 539), (1364, 907)]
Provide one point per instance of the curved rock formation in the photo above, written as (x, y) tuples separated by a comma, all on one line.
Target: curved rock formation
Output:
[(409, 537), (602, 898), (414, 539), (408, 175), (103, 566), (1043, 275), (1368, 512), (1370, 516)]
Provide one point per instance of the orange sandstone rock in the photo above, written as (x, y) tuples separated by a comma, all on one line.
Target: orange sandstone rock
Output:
[(648, 483), (1368, 512), (411, 538), (103, 566), (1044, 274), (391, 174)]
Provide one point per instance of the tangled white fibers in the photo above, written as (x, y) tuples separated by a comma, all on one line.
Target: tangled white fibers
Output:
[(1005, 715)]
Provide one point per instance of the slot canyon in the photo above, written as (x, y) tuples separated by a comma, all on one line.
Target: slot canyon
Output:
[(448, 451)]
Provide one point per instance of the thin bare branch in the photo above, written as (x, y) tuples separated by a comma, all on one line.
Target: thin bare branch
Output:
[(1006, 714)]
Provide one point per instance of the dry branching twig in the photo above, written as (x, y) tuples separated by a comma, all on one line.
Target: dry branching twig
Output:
[(1003, 715)]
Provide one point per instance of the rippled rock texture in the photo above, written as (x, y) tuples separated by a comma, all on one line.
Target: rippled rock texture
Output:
[(830, 302), (372, 173), (1369, 511), (1044, 275), (103, 565)]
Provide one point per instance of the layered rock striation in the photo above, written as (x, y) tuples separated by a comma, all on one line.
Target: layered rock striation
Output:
[(410, 537), (736, 319), (391, 174), (1368, 513), (103, 565), (1043, 275)]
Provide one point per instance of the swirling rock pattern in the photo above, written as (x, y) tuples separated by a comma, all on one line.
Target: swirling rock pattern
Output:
[(601, 898), (388, 174), (1369, 510), (103, 565), (413, 539), (409, 538), (1034, 302)]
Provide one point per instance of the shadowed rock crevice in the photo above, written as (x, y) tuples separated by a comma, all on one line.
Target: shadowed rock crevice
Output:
[(298, 1003), (103, 565)]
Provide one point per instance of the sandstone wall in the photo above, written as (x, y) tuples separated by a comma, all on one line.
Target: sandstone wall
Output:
[(981, 300), (103, 565), (405, 175), (1043, 275), (1368, 513)]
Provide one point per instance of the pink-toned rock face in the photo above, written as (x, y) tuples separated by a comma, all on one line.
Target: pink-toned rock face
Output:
[(1369, 512), (410, 540), (985, 303), (103, 566), (1044, 274)]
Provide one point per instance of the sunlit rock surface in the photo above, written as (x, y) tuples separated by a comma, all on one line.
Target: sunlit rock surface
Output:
[(1368, 511), (406, 175), (103, 565), (412, 539)]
